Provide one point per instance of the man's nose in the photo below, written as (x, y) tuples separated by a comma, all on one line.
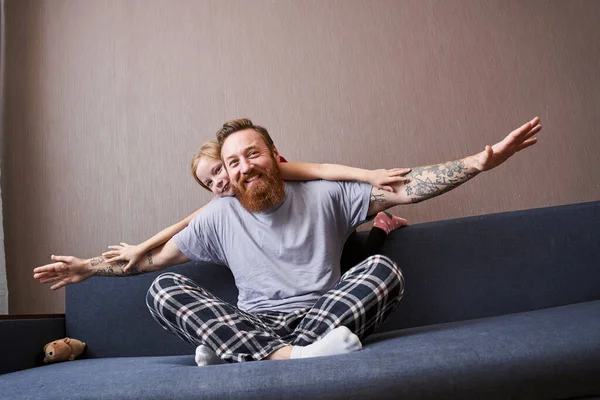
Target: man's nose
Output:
[(245, 166)]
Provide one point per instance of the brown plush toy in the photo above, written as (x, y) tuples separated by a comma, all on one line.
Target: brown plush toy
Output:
[(66, 349)]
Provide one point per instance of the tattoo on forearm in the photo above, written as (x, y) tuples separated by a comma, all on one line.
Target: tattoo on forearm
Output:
[(149, 254), (433, 180), (377, 197), (114, 269), (96, 261)]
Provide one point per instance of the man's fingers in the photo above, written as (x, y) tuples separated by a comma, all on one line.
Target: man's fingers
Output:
[(44, 275), (115, 247), (43, 268), (524, 129), (527, 143), (49, 280), (387, 188), (49, 268), (60, 284), (533, 131)]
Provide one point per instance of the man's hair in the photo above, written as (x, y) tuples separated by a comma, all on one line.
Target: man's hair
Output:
[(210, 149), (240, 124)]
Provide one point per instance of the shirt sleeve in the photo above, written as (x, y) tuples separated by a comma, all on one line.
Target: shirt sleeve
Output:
[(196, 241), (354, 201)]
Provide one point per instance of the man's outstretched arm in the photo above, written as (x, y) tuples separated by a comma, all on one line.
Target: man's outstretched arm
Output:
[(66, 269), (433, 180)]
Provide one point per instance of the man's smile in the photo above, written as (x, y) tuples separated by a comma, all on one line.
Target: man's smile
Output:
[(251, 179)]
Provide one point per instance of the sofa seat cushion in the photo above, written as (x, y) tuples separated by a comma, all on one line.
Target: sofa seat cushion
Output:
[(549, 353)]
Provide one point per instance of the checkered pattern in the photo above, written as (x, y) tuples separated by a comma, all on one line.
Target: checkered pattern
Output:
[(361, 301)]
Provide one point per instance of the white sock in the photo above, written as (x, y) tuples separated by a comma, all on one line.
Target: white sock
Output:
[(341, 340), (205, 356)]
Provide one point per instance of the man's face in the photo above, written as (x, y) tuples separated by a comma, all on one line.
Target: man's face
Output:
[(253, 171)]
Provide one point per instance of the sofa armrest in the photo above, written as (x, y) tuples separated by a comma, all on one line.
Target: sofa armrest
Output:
[(22, 339)]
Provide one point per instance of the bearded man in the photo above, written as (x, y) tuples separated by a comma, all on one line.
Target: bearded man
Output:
[(283, 242)]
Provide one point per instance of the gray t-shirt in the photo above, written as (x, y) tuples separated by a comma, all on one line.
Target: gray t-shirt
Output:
[(285, 258)]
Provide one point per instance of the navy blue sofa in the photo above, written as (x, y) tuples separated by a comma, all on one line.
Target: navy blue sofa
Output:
[(496, 306)]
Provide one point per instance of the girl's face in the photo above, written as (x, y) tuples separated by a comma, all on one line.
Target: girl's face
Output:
[(214, 176)]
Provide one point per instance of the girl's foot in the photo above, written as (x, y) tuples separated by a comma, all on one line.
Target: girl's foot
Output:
[(388, 222)]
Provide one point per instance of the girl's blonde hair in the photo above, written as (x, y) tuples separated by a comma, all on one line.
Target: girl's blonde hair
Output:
[(210, 149)]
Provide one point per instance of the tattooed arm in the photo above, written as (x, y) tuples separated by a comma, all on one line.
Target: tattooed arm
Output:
[(425, 183), (433, 180), (66, 269)]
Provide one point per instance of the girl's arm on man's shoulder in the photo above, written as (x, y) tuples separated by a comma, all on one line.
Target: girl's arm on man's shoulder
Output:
[(380, 178)]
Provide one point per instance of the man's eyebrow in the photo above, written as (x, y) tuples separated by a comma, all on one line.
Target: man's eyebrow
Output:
[(252, 146)]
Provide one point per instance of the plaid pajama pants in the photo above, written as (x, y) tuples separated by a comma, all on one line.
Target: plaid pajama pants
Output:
[(363, 298)]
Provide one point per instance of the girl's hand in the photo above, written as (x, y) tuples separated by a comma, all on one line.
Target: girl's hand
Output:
[(124, 252), (381, 178)]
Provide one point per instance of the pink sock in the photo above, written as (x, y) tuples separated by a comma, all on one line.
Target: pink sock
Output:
[(388, 222)]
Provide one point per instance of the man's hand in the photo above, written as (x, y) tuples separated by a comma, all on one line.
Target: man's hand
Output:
[(64, 270), (517, 140), (434, 180)]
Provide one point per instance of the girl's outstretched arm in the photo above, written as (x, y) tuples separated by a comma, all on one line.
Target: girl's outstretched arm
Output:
[(379, 178), (133, 253)]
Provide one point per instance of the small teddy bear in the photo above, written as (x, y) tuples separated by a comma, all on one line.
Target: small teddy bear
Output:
[(66, 349)]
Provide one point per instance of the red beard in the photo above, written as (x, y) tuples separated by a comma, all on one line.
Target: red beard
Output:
[(263, 194)]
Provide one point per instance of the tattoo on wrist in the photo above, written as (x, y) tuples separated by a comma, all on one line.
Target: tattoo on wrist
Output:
[(149, 254), (433, 180)]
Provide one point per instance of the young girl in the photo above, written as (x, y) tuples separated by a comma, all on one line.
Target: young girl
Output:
[(208, 171)]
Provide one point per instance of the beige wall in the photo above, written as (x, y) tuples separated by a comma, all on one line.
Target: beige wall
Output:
[(106, 101)]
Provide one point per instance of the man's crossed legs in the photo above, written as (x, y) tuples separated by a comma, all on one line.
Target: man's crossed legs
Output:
[(343, 316)]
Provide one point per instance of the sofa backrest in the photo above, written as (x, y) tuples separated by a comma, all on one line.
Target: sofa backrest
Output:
[(455, 270), (497, 264)]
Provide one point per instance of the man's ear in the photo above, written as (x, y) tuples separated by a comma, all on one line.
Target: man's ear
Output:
[(275, 153)]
